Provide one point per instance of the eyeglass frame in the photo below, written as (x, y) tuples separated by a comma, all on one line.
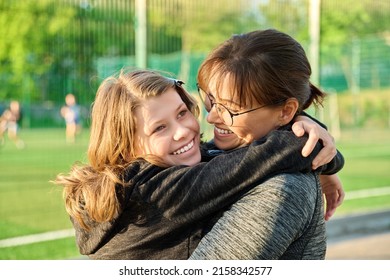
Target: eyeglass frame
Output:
[(232, 115)]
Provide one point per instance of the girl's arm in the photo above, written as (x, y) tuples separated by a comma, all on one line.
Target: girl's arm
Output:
[(192, 193), (317, 131)]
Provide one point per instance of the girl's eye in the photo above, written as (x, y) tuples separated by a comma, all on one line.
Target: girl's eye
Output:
[(182, 113), (159, 128)]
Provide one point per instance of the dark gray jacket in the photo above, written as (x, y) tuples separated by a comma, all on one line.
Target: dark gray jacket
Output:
[(164, 211)]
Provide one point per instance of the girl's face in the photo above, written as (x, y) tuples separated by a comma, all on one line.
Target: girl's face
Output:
[(246, 127), (166, 128)]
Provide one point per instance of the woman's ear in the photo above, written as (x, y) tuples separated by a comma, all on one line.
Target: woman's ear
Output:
[(288, 110)]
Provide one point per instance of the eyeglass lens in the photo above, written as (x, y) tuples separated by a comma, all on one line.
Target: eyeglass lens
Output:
[(220, 109)]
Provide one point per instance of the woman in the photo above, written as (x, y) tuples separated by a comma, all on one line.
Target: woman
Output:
[(127, 203), (251, 84)]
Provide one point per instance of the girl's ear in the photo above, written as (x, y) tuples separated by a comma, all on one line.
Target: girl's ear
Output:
[(288, 111)]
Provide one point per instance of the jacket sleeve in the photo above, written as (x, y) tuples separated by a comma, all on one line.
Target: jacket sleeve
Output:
[(334, 166), (192, 193), (338, 161)]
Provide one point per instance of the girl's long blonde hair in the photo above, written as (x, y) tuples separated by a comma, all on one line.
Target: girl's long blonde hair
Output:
[(89, 189)]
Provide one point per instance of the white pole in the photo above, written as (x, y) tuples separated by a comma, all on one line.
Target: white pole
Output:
[(334, 115), (314, 34), (140, 34)]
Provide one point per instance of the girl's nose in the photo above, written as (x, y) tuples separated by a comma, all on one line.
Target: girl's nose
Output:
[(180, 132)]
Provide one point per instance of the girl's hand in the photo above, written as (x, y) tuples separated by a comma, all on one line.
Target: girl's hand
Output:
[(316, 133)]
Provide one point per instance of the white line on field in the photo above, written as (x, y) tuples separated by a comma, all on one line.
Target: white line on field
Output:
[(349, 195), (34, 238)]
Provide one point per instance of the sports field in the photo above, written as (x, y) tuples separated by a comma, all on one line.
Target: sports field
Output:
[(30, 204), (366, 173)]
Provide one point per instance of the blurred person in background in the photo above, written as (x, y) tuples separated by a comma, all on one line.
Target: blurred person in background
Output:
[(71, 114), (9, 122)]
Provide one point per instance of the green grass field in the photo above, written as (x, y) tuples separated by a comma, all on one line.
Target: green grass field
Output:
[(30, 204), (367, 166)]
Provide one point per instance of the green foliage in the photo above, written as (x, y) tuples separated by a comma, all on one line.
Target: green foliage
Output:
[(344, 24), (31, 26), (347, 19), (200, 25), (367, 109), (294, 19), (51, 47), (48, 46)]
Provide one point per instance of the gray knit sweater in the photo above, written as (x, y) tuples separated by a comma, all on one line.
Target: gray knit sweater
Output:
[(281, 218)]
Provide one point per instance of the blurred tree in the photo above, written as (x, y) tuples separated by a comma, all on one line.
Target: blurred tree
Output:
[(198, 26), (287, 16), (99, 29), (29, 28), (49, 47), (344, 23)]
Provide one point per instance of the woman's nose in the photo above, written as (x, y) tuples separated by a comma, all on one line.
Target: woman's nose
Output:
[(213, 117)]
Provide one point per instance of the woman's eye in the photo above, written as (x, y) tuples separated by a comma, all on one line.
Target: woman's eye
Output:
[(220, 109), (211, 98), (233, 110)]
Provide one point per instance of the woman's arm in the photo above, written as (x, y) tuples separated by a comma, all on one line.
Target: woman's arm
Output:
[(333, 192), (330, 183)]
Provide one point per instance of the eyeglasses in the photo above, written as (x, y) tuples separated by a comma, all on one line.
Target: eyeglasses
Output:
[(222, 111)]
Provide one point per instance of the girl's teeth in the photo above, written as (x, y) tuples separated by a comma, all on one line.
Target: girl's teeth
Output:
[(184, 149)]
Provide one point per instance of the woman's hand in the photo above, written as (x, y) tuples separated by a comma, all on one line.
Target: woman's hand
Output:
[(330, 184), (333, 192), (316, 133)]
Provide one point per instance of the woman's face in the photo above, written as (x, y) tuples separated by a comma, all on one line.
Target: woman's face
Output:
[(166, 128), (246, 127)]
